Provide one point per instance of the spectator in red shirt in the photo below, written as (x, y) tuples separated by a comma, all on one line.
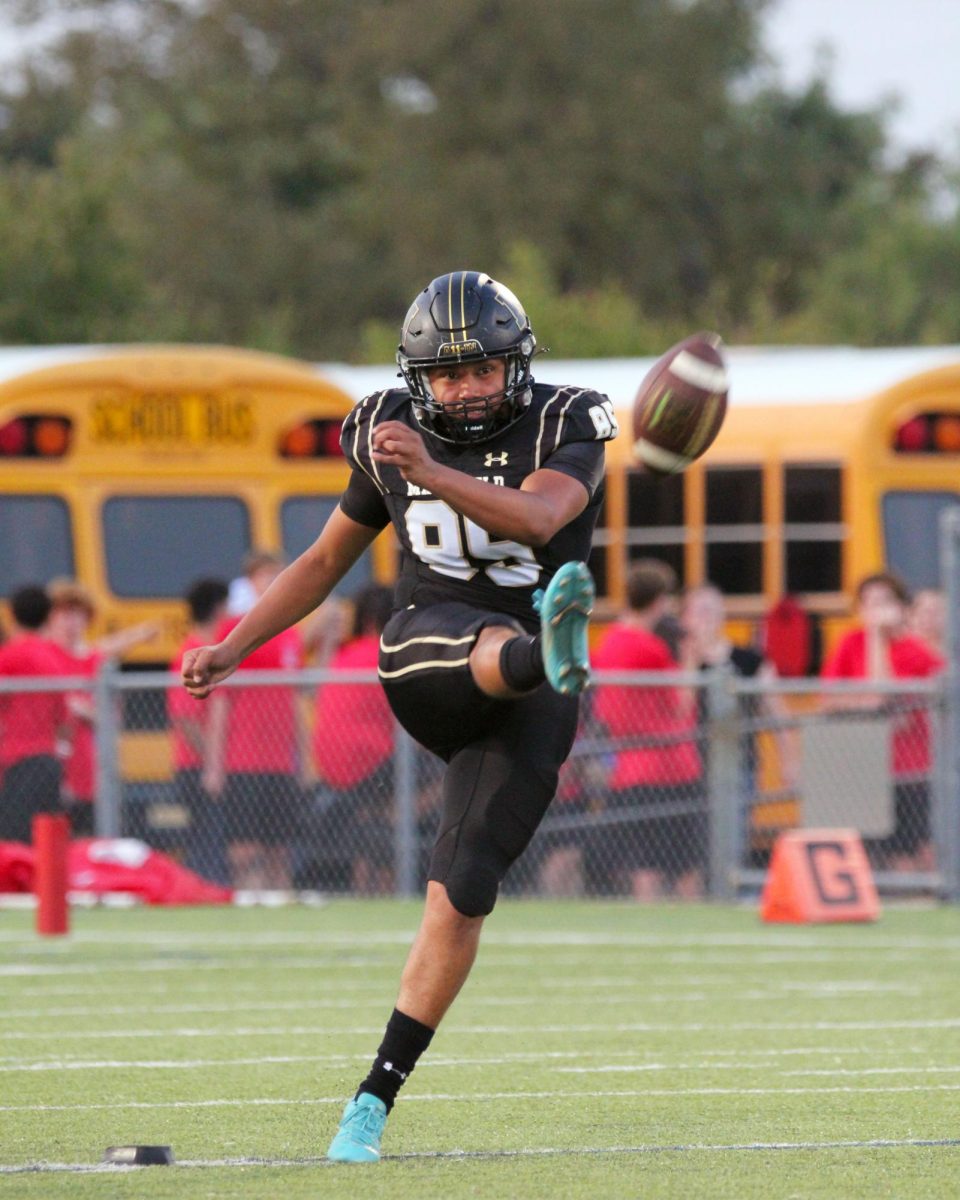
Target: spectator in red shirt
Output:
[(254, 756), (31, 723), (353, 742), (71, 616), (206, 841), (881, 649), (660, 840)]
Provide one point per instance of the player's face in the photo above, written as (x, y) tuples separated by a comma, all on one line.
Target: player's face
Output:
[(460, 383)]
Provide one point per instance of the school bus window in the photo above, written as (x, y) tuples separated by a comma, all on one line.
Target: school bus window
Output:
[(654, 500), (811, 494), (911, 522), (813, 533), (36, 542), (301, 519), (734, 531), (733, 496), (156, 546), (736, 567), (655, 516), (813, 567)]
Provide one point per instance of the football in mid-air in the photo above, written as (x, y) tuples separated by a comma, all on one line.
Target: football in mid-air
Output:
[(680, 405)]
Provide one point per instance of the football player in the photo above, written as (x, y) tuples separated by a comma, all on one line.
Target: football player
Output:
[(492, 483)]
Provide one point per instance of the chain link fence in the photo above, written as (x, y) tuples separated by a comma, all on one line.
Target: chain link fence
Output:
[(677, 785)]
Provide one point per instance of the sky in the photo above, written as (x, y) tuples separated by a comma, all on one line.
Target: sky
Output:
[(879, 48)]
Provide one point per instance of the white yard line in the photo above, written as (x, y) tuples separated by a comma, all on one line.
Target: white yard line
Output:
[(72, 1062), (484, 1097), (338, 963), (496, 1030), (834, 1072), (481, 1155), (54, 1062), (622, 995), (838, 1071)]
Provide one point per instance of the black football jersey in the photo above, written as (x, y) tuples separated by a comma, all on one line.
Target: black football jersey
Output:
[(446, 556)]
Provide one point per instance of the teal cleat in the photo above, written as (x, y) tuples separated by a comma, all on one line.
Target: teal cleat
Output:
[(361, 1128), (564, 610)]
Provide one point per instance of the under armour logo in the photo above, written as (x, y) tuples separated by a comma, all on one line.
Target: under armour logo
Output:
[(499, 460), (388, 1066)]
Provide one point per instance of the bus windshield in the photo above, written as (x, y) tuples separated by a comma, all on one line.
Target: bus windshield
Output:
[(36, 542), (910, 525), (158, 545)]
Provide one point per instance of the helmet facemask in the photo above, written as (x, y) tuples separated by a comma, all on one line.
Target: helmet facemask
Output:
[(478, 417), (466, 317)]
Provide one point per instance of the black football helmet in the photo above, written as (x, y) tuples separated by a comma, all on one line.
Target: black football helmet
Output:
[(465, 317)]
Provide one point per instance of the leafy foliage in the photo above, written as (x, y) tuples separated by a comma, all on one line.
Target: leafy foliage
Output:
[(284, 174)]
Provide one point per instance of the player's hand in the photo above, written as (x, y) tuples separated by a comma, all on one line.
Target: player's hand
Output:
[(204, 668), (400, 446)]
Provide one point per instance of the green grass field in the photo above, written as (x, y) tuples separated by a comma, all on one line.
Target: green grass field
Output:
[(597, 1050)]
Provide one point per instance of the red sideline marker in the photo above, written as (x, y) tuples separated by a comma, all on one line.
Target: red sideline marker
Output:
[(51, 835)]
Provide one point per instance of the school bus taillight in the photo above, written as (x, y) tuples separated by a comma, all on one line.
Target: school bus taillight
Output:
[(929, 433), (36, 436), (312, 439), (946, 434)]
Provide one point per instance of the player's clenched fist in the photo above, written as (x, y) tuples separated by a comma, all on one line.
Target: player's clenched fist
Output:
[(402, 447), (204, 668)]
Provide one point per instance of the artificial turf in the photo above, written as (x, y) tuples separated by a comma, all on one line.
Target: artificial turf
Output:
[(597, 1050)]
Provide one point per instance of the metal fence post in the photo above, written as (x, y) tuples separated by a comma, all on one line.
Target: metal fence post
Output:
[(106, 814), (405, 814), (946, 809), (723, 784)]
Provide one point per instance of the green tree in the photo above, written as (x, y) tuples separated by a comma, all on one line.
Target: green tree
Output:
[(286, 174), (66, 271)]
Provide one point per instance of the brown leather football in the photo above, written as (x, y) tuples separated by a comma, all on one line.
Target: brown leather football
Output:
[(680, 405)]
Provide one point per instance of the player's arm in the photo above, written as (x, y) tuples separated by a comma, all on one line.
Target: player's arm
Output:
[(545, 502), (296, 591)]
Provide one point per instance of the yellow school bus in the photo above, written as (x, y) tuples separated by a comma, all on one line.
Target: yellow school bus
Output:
[(138, 470)]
